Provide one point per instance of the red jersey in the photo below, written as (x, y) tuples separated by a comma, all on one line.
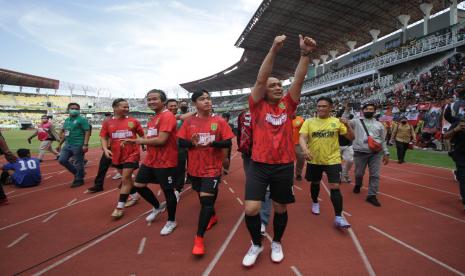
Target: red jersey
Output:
[(43, 131), (272, 131), (244, 133), (205, 161), (165, 156), (118, 129)]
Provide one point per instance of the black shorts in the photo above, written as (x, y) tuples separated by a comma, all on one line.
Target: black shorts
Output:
[(128, 165), (166, 177), (314, 173), (280, 178), (207, 185)]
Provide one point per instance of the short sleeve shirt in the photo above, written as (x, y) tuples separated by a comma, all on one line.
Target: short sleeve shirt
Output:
[(205, 161), (74, 129), (165, 156), (272, 130), (117, 129), (323, 139)]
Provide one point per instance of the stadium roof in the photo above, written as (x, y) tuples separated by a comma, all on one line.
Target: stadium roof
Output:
[(330, 22), (9, 77)]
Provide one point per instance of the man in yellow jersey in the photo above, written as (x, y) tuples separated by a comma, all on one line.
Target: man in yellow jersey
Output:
[(319, 139)]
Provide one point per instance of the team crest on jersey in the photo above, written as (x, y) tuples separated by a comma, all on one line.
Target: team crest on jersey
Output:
[(282, 105), (214, 126), (333, 125), (130, 124)]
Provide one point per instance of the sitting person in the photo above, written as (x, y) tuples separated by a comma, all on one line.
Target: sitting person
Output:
[(25, 172)]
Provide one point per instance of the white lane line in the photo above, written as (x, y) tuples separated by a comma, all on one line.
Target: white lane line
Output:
[(298, 188), (52, 211), (44, 174), (225, 244), (268, 237), (72, 201), (319, 199), (231, 190), (357, 244), (423, 186), (427, 174), (296, 271), (434, 260), (49, 217), (9, 193), (422, 207), (23, 236), (47, 178), (225, 182), (141, 246), (240, 201), (347, 214)]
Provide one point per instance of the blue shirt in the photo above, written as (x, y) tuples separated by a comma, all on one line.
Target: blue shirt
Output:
[(27, 172)]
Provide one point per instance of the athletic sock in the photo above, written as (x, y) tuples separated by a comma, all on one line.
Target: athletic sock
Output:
[(279, 225), (336, 199), (122, 200), (170, 204), (206, 212), (253, 225), (148, 195), (315, 191)]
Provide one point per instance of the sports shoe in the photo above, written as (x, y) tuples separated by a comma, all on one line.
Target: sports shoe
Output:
[(357, 189), (252, 255), (212, 222), (117, 213), (277, 254), (341, 223), (263, 229), (154, 214), (373, 200), (177, 194), (116, 176), (94, 189), (168, 228), (316, 208), (4, 201), (77, 183), (298, 178), (455, 176), (199, 247), (346, 179), (131, 201)]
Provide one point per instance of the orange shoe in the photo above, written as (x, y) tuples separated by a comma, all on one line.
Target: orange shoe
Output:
[(212, 222), (199, 247)]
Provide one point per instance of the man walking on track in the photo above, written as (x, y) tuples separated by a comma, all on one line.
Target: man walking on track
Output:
[(273, 151), (319, 139), (46, 135)]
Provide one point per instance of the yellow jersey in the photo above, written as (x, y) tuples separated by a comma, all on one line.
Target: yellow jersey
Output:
[(323, 139)]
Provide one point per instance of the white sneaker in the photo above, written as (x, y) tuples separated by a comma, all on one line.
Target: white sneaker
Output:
[(133, 199), (263, 229), (168, 228), (117, 176), (252, 255), (154, 214), (316, 208), (341, 223), (178, 195), (277, 254)]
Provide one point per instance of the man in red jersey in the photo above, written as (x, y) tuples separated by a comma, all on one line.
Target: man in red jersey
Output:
[(124, 157), (46, 135), (159, 165), (205, 135), (273, 152)]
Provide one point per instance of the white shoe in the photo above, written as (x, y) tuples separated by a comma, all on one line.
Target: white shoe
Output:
[(341, 223), (316, 208), (178, 195), (134, 198), (263, 229), (277, 254), (168, 228), (252, 255), (154, 214), (117, 176)]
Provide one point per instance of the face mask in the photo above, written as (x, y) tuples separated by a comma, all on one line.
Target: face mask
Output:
[(73, 112), (368, 115), (184, 108)]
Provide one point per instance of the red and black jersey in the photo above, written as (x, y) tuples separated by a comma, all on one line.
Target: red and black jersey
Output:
[(272, 130), (205, 161)]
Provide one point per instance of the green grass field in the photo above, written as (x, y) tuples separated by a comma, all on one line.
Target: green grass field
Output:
[(18, 139), (426, 157)]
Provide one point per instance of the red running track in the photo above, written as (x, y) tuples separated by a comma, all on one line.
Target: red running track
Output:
[(55, 230)]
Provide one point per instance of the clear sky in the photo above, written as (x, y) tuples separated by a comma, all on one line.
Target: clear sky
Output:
[(127, 47)]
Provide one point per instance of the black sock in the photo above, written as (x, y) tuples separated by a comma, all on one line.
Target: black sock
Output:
[(133, 190), (336, 199), (170, 204), (279, 225), (214, 200), (315, 191), (123, 197), (148, 195), (253, 225), (206, 212)]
